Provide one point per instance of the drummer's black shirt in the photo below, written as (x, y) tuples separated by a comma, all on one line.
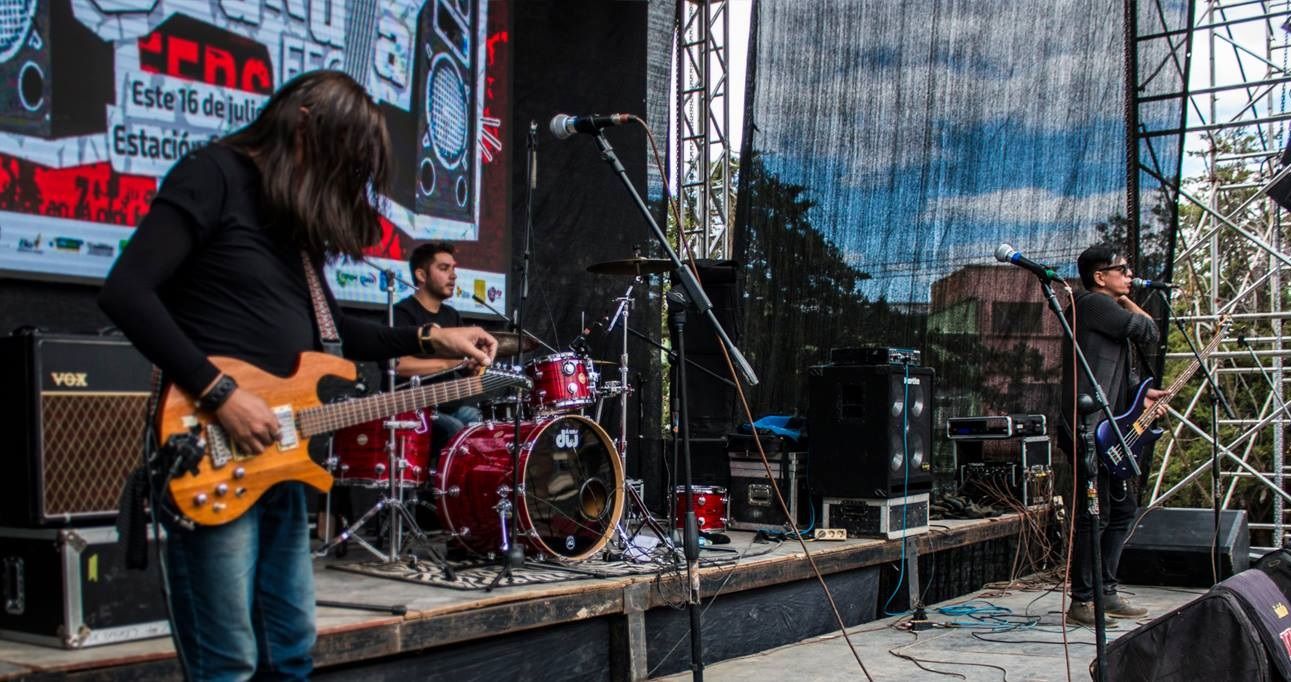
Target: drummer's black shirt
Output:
[(410, 311), (205, 275)]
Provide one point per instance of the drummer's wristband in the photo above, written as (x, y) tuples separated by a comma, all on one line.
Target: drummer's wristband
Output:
[(424, 338)]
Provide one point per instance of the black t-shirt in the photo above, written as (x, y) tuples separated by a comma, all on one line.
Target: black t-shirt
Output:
[(411, 311), (205, 275)]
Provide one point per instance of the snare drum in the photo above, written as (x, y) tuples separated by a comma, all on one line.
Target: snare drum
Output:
[(711, 505), (362, 458), (563, 382), (573, 486)]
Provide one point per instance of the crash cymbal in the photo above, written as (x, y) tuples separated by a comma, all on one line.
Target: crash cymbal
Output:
[(509, 343), (631, 266)]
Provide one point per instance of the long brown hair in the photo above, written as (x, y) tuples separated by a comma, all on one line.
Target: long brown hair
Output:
[(323, 152)]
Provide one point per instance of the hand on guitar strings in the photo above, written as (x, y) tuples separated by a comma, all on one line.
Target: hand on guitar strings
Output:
[(248, 420), (1152, 396)]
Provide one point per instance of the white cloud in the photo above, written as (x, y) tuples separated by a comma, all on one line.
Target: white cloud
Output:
[(1026, 205)]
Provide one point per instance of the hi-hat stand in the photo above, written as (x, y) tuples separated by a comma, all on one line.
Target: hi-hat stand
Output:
[(392, 500)]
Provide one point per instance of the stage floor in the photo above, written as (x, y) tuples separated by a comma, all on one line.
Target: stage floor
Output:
[(1028, 654), (438, 616)]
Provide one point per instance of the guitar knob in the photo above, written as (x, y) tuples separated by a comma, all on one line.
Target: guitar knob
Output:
[(218, 507), (199, 499), (240, 492), (239, 472), (221, 490)]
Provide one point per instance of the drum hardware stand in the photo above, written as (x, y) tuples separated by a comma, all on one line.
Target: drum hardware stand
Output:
[(512, 552), (397, 462)]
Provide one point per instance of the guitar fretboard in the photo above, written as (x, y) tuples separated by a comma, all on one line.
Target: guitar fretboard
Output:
[(1158, 408), (328, 418)]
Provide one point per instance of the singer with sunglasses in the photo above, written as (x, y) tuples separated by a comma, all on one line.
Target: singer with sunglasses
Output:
[(1107, 322)]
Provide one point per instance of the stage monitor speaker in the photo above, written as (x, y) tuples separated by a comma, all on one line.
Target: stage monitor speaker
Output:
[(448, 105), (1171, 546), (55, 74), (856, 440), (76, 431)]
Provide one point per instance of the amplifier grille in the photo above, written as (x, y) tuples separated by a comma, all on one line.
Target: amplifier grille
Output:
[(91, 443)]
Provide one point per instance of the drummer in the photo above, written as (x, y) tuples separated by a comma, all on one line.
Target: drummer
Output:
[(434, 269)]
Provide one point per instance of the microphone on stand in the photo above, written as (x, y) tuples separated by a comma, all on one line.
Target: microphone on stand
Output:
[(1005, 253), (1152, 284), (565, 126)]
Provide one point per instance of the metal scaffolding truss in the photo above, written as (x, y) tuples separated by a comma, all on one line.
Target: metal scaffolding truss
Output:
[(1232, 246), (703, 152)]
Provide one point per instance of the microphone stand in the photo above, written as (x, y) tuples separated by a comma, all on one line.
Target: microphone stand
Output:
[(1216, 397), (512, 551), (1090, 462), (695, 294), (676, 302), (504, 318)]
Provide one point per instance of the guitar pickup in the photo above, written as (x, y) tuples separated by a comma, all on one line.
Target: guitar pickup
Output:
[(288, 438)]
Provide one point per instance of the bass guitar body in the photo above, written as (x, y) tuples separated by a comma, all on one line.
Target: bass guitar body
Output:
[(1139, 437)]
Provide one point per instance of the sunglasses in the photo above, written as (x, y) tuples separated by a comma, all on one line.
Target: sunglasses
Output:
[(1123, 267)]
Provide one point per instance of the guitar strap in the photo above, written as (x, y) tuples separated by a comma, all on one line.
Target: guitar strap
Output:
[(322, 311)]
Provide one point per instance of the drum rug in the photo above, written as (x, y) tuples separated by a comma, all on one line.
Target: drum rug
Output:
[(479, 574)]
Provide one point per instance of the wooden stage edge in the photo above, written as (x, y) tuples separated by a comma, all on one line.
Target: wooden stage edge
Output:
[(439, 617)]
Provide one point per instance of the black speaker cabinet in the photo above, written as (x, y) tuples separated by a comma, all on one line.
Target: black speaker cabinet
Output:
[(1171, 546), (856, 419), (712, 408), (55, 74), (76, 430), (448, 104)]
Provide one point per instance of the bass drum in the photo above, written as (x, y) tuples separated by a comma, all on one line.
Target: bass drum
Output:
[(573, 486)]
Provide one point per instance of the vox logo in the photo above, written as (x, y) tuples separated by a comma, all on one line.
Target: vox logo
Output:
[(70, 379)]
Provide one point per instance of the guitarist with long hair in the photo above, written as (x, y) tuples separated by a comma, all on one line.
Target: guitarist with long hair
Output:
[(228, 263), (1107, 321)]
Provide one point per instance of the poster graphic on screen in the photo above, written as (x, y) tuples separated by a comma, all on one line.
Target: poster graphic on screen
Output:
[(100, 98)]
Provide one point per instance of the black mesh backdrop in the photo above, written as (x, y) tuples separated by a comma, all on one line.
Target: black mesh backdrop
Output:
[(889, 148), (582, 58)]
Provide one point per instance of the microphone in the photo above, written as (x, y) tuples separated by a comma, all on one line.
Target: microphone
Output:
[(1005, 253), (565, 126), (1152, 284)]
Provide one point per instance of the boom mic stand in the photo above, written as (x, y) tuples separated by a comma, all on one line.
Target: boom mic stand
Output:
[(694, 292), (1090, 462), (677, 320), (1216, 398)]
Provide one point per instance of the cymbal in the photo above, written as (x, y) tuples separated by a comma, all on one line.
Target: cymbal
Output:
[(631, 266), (509, 343)]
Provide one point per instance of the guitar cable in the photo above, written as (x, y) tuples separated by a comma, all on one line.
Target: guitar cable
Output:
[(151, 455)]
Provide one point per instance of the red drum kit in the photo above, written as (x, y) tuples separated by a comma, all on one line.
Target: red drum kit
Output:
[(573, 493)]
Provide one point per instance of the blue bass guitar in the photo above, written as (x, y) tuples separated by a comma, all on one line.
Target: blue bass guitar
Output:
[(1136, 422)]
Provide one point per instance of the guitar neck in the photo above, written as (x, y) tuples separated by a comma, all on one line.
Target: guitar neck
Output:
[(327, 418), (1175, 386)]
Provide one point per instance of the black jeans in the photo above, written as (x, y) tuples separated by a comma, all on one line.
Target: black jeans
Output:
[(1118, 506)]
